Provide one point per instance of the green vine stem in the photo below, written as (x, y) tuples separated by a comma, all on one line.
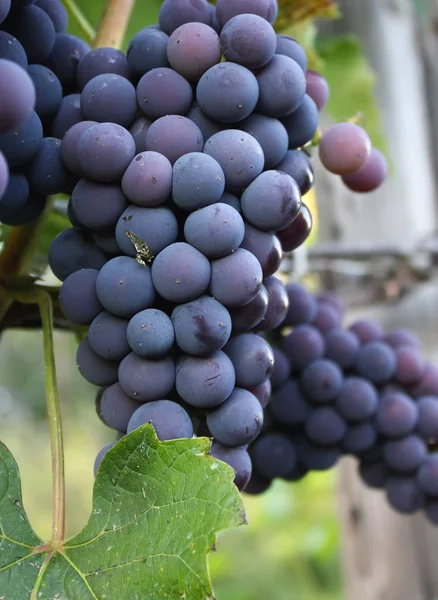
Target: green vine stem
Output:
[(75, 13), (113, 24)]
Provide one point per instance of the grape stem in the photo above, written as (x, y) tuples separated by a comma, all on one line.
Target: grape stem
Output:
[(113, 24), (76, 14)]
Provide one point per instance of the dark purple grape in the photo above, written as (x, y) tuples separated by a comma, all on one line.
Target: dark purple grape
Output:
[(207, 126), (115, 408), (332, 300), (262, 392), (257, 485), (252, 359), (404, 495), (69, 114), (198, 180), (174, 13), (273, 455), (405, 455), (265, 247), (72, 250), (124, 287), (288, 46), (46, 173), (294, 236), (327, 319), (65, 57), (236, 458), (278, 304), (93, 368), (374, 475), (325, 427), (22, 143), (227, 92), (357, 400), (401, 337), (370, 176), (162, 92), (147, 50), (227, 9), (148, 179), (48, 91), (173, 136), (98, 206), (202, 326), (100, 456), (138, 130), (106, 241), (70, 145), (301, 125), (146, 380), (397, 415), (431, 511), (282, 369), (107, 336), (101, 61), (376, 361), (248, 40), (359, 438), (34, 29), (109, 98), (302, 305), (282, 86), (4, 182), (14, 192), (205, 382), (322, 380), (314, 457), (11, 49), (344, 148), (193, 48), (428, 385), (150, 333), (427, 476), (78, 297), (427, 425), (157, 227), (57, 13), (169, 419), (270, 134), (29, 212), (342, 347), (249, 316), (367, 331), (240, 156), (317, 88), (288, 405), (303, 345), (238, 420), (5, 7), (296, 164), (410, 365), (236, 279)]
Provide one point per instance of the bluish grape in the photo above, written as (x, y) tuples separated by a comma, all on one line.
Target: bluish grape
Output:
[(295, 234), (298, 474), (303, 345), (288, 46), (315, 458), (202, 326), (70, 145), (138, 130), (431, 511), (227, 92), (236, 458), (98, 206), (332, 300), (72, 250), (150, 333), (404, 495), (227, 9), (376, 361), (428, 385), (214, 22), (22, 143), (169, 419), (257, 485), (270, 134), (367, 331), (397, 415), (359, 438), (93, 368), (302, 305), (99, 61), (288, 406), (327, 319), (238, 420), (216, 230), (322, 380), (69, 114), (301, 125), (29, 212), (115, 408), (100, 456), (207, 126), (401, 337), (405, 455), (34, 29), (410, 365), (57, 13), (272, 201), (109, 98), (4, 179), (148, 179), (325, 427), (236, 279), (162, 92), (342, 347), (205, 382), (107, 336), (357, 400), (14, 191), (273, 455), (46, 173), (296, 164), (345, 148), (248, 40), (146, 380), (78, 297), (250, 315), (427, 425), (147, 50), (174, 13), (65, 57), (375, 475), (5, 7), (317, 88), (157, 227), (240, 156), (262, 392), (180, 273), (11, 49), (427, 476), (370, 176), (173, 136), (193, 48), (278, 304), (17, 96), (282, 369), (105, 151), (265, 247), (282, 86), (48, 91), (252, 358), (198, 180), (106, 241)]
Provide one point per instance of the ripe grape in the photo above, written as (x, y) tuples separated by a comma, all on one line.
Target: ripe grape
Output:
[(174, 13), (69, 114), (288, 406), (410, 365), (157, 227), (34, 30), (325, 427), (238, 459), (262, 392), (367, 331), (265, 247), (169, 419), (270, 134), (287, 46), (147, 50), (107, 336), (150, 333), (11, 49), (278, 304), (227, 9), (397, 415), (359, 438), (370, 176), (282, 87), (4, 177), (57, 13), (345, 148), (282, 369), (98, 206), (322, 380), (274, 455), (192, 49), (48, 91), (20, 145), (252, 359), (376, 361), (207, 126), (296, 164), (248, 40), (72, 250), (301, 125), (146, 380), (404, 495), (100, 61), (15, 194), (109, 98), (65, 57), (236, 279), (148, 179), (100, 456), (115, 408), (78, 297), (401, 337), (162, 92), (173, 136), (303, 345), (250, 315), (427, 476), (93, 368), (342, 347), (302, 305), (317, 88), (198, 180), (357, 400), (427, 425), (405, 455), (138, 130)]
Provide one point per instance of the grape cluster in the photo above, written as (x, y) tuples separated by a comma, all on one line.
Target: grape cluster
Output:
[(352, 391), (38, 63)]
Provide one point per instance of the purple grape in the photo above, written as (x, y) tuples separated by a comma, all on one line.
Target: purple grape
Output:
[(146, 380), (124, 287), (238, 420), (332, 300), (16, 193), (325, 427), (72, 250), (147, 50), (21, 144), (100, 61), (236, 458), (398, 338), (428, 385), (302, 305), (17, 95), (57, 13), (370, 176), (98, 206), (150, 333), (270, 134), (427, 476), (342, 347), (282, 369), (100, 456), (404, 495), (5, 7), (359, 438), (236, 279), (198, 180), (34, 29), (374, 475), (93, 368), (317, 88), (11, 49), (248, 40), (288, 46), (265, 247), (148, 179), (357, 400), (397, 415), (296, 164), (70, 145), (410, 365), (162, 92), (193, 48), (295, 234), (106, 241), (367, 331), (138, 130), (169, 419), (48, 91), (376, 361), (427, 425), (405, 455), (115, 408), (202, 326), (107, 336), (282, 87), (274, 455), (65, 57), (344, 149), (278, 304), (288, 405), (252, 359), (46, 173), (303, 345), (78, 297), (69, 114), (431, 511), (207, 126), (4, 176), (327, 319), (29, 212), (205, 382), (173, 136), (257, 485), (227, 9), (240, 156), (301, 125), (174, 13), (322, 380), (315, 458), (249, 316), (227, 92), (262, 392), (109, 98)]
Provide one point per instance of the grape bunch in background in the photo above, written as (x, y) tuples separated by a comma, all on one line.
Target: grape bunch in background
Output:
[(355, 391)]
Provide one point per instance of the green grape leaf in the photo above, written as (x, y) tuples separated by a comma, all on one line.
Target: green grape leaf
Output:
[(156, 509)]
